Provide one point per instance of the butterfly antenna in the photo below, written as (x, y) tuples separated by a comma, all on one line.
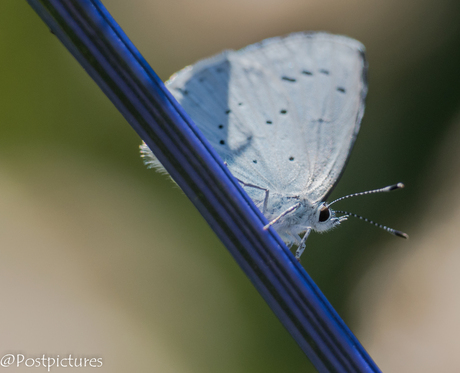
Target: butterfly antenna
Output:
[(389, 230), (381, 190)]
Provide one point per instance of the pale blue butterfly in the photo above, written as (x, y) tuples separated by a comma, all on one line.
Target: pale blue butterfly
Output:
[(283, 114)]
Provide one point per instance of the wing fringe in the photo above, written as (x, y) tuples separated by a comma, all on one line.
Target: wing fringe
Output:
[(150, 160)]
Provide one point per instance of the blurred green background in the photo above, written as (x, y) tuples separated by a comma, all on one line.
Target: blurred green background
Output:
[(102, 257)]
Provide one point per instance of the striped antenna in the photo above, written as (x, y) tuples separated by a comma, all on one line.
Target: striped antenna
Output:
[(389, 230), (381, 190)]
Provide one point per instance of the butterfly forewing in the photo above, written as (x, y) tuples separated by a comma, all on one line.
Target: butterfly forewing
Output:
[(284, 113)]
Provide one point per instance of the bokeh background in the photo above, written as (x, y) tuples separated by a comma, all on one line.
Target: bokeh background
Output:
[(100, 257)]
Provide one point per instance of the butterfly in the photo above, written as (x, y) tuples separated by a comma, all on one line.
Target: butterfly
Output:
[(283, 115)]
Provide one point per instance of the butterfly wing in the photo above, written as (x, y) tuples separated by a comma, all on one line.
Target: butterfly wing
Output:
[(284, 113)]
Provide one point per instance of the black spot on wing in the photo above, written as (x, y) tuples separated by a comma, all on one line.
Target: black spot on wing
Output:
[(288, 79), (183, 91)]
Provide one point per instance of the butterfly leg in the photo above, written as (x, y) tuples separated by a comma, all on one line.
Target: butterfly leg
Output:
[(301, 247), (256, 187), (260, 188), (288, 211)]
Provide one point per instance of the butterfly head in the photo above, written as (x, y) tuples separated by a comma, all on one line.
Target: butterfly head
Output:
[(325, 218)]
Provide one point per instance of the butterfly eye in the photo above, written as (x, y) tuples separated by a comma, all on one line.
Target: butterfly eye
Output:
[(324, 214)]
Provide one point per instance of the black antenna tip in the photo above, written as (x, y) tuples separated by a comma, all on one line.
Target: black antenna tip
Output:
[(401, 234), (394, 187)]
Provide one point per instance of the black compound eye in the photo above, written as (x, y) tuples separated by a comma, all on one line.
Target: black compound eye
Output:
[(324, 214)]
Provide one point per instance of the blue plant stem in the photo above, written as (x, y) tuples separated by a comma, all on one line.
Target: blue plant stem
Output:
[(98, 43)]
